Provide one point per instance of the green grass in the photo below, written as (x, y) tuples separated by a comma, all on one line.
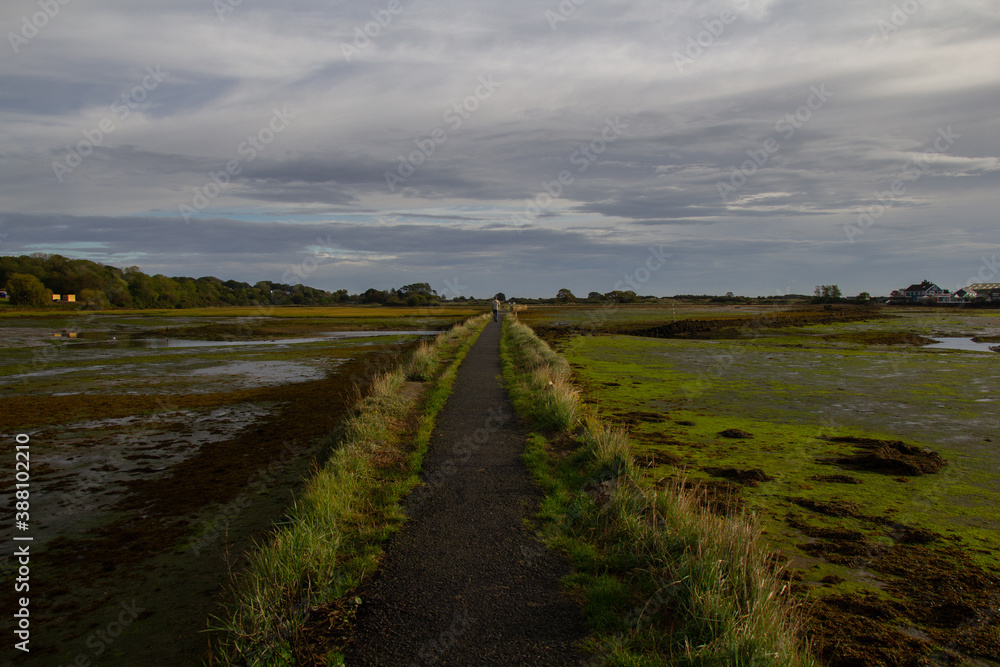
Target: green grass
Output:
[(331, 538), (664, 582)]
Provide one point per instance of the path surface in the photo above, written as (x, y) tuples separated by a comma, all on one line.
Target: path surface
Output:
[(464, 583)]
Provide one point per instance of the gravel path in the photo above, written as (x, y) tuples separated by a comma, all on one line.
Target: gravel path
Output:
[(464, 583)]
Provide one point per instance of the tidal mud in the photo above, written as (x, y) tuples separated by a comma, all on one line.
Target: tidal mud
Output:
[(872, 463), (153, 473)]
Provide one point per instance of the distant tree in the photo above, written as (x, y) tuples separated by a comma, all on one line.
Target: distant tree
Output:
[(373, 295), (500, 296), (25, 289), (130, 287), (827, 292), (594, 296), (422, 289), (565, 296), (618, 296), (864, 296)]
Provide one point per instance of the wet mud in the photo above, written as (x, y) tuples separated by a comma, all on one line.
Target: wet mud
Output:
[(937, 607), (154, 499), (888, 457), (750, 325)]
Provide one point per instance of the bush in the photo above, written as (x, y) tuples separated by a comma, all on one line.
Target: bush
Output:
[(25, 289)]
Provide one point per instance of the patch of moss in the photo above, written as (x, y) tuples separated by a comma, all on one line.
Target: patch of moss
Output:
[(815, 408)]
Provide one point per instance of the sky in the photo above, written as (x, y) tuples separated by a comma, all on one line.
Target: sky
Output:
[(669, 147)]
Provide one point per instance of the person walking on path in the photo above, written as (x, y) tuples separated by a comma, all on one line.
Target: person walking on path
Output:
[(496, 309)]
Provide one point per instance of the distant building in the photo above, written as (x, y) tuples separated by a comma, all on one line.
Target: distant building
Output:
[(990, 291), (3, 294), (947, 298), (925, 291), (64, 297)]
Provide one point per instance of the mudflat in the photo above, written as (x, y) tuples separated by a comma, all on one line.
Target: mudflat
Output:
[(155, 468), (868, 453)]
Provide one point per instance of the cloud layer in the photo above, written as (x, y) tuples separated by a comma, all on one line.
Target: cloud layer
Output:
[(766, 145)]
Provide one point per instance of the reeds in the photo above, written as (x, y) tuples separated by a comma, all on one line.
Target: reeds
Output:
[(666, 581)]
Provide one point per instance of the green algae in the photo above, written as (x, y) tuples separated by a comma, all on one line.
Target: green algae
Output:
[(792, 398), (874, 550)]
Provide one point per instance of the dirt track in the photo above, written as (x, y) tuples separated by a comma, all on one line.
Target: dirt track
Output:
[(464, 583)]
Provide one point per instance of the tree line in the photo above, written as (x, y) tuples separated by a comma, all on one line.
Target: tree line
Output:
[(33, 279)]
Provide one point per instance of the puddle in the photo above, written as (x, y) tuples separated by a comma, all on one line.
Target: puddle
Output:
[(245, 374), (90, 463), (953, 343), (102, 340)]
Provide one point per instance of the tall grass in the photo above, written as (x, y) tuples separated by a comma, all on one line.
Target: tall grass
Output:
[(547, 393), (330, 538), (665, 581)]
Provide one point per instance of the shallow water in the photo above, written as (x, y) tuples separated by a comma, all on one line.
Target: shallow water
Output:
[(109, 341), (966, 344), (156, 507)]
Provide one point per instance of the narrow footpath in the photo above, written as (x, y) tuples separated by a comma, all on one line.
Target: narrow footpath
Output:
[(464, 582)]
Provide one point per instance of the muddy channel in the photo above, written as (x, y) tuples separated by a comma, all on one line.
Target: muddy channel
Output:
[(154, 466)]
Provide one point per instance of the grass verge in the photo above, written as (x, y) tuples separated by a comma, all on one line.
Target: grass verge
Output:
[(331, 537), (664, 580)]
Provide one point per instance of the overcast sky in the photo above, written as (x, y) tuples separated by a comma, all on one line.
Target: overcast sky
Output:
[(670, 147)]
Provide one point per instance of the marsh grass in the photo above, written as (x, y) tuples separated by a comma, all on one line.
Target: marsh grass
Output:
[(422, 363), (547, 394), (665, 581), (330, 538)]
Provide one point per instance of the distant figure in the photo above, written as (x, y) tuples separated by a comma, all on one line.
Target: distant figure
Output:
[(496, 310)]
